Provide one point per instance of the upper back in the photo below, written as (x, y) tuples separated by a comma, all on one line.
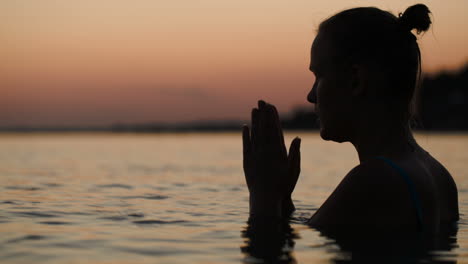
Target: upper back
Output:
[(444, 186), (434, 188), (376, 196)]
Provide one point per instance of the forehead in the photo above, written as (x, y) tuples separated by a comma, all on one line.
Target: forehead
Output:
[(321, 53)]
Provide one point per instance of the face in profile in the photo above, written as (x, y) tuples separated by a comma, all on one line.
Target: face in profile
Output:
[(331, 92)]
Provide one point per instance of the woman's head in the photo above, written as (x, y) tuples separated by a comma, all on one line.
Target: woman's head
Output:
[(366, 60)]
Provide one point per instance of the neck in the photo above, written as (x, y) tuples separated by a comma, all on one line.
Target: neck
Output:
[(384, 140)]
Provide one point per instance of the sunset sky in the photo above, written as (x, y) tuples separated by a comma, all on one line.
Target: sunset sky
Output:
[(99, 62)]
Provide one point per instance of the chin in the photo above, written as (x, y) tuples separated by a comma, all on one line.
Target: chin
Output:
[(328, 135)]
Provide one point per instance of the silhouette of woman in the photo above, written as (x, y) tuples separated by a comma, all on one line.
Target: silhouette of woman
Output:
[(367, 66)]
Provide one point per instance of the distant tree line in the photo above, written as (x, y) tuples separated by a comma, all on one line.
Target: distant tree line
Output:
[(442, 106), (443, 101)]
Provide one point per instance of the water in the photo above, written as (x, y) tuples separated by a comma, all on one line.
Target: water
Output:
[(172, 198)]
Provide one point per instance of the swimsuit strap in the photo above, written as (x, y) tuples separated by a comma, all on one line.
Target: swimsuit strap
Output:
[(412, 189)]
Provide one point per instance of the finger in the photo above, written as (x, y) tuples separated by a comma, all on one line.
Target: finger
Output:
[(263, 121), (261, 104), (270, 133), (254, 132), (294, 164), (272, 136), (246, 155), (278, 124), (294, 149), (246, 140), (294, 158), (261, 127), (267, 128), (276, 127)]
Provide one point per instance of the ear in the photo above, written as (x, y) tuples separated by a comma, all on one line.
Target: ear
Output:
[(359, 79)]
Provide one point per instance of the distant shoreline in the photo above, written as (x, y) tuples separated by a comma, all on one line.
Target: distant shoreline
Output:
[(184, 131), (442, 106)]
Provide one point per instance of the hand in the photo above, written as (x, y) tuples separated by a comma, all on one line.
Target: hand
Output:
[(270, 173)]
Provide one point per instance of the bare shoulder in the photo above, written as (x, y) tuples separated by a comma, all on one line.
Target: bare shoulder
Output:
[(369, 195), (446, 189), (373, 172)]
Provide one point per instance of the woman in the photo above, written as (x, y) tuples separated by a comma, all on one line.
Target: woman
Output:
[(367, 65)]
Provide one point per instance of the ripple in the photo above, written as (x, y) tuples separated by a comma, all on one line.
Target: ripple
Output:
[(24, 207), (149, 197), (70, 245), (27, 237), (236, 188), (158, 222), (51, 184), (23, 188), (34, 214), (55, 223), (115, 185), (156, 197), (207, 189), (76, 213), (136, 215), (155, 252), (160, 188), (114, 218), (28, 255), (9, 202), (197, 214)]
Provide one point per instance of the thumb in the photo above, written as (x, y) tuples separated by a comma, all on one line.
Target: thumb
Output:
[(294, 158), (294, 150)]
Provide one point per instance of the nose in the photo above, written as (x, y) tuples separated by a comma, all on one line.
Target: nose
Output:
[(312, 96)]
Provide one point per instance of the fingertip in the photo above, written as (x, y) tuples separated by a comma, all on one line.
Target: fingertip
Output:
[(261, 103), (271, 109), (297, 142), (275, 111), (254, 115)]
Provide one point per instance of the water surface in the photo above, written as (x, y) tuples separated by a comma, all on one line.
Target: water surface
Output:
[(173, 198)]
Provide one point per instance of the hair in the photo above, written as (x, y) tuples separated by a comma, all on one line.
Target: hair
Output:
[(378, 38)]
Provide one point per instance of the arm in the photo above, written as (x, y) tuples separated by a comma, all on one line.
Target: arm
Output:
[(271, 174)]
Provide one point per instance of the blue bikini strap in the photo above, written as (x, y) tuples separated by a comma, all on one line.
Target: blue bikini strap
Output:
[(411, 188)]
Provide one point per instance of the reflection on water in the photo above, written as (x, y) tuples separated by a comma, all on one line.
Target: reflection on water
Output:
[(269, 241), (182, 199), (398, 249)]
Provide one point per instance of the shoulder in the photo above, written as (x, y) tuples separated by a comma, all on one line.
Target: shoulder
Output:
[(367, 182), (368, 194), (383, 186), (446, 189), (373, 173)]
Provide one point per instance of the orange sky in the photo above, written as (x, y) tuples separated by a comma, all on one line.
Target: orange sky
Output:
[(97, 62)]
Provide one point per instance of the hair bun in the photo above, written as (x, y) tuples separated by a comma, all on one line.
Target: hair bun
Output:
[(415, 17)]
